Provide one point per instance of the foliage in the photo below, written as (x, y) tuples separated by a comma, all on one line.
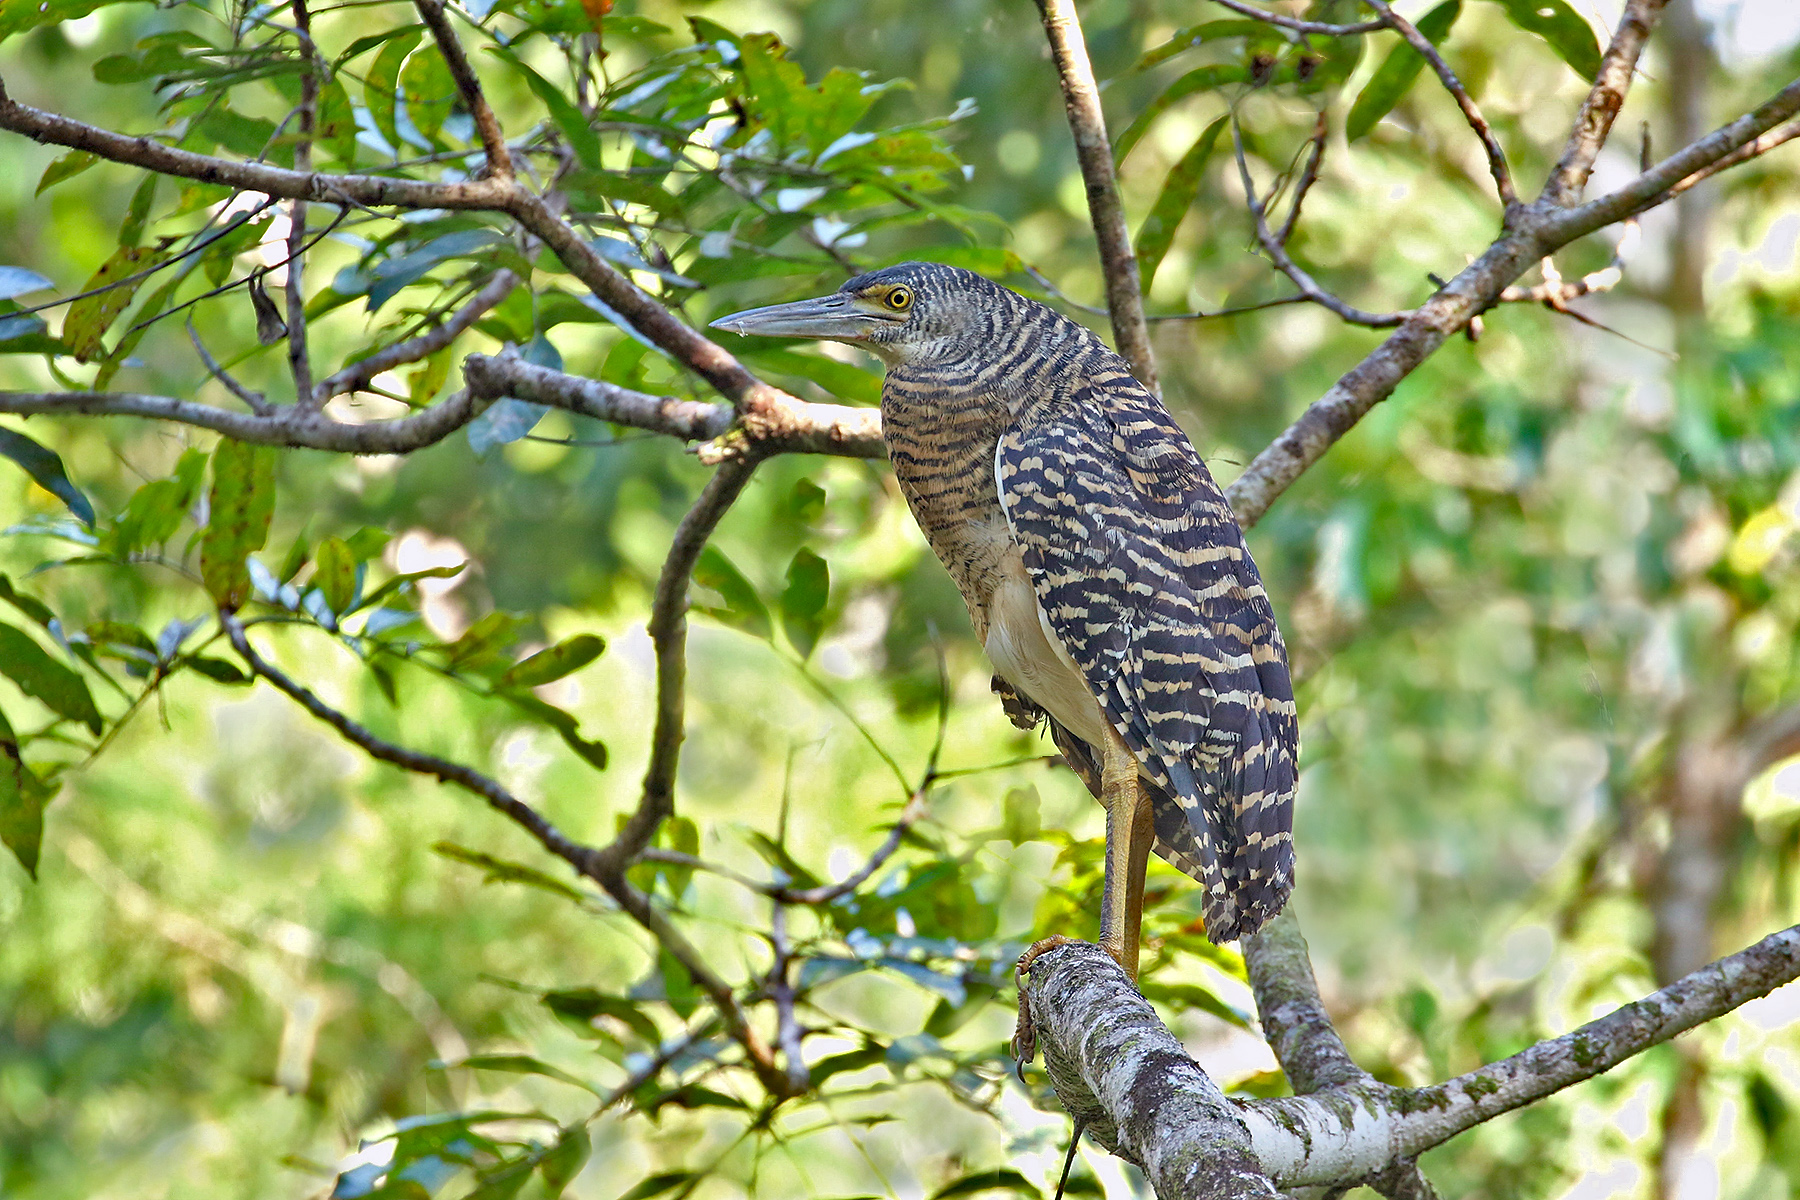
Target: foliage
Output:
[(252, 963)]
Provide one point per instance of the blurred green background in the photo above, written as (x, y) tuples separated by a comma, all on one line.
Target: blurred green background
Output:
[(1556, 570)]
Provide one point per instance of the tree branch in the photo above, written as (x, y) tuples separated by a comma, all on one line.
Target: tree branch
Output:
[(298, 354), (1284, 262), (357, 375), (1604, 99), (1081, 100), (493, 142), (1496, 157), (668, 632), (1294, 1021), (1299, 26)]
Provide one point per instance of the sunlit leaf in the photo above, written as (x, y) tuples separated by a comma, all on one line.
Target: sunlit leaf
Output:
[(89, 318), (999, 1179), (1179, 190), (240, 505), (565, 1160), (381, 86), (334, 573), (45, 467), (44, 679), (1201, 79), (550, 664), (522, 1064), (743, 607), (1566, 30), (1398, 71)]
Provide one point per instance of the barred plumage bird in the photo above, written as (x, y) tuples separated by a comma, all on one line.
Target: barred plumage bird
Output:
[(1103, 572)]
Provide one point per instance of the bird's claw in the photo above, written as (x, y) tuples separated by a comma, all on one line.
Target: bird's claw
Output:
[(1024, 1039)]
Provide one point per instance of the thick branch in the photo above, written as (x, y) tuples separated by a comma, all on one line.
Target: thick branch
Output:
[(1294, 1021), (1081, 99), (1116, 1068)]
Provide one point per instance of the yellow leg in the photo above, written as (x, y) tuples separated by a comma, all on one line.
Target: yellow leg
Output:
[(1129, 834)]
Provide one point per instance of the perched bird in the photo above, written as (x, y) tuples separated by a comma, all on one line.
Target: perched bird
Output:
[(1103, 571)]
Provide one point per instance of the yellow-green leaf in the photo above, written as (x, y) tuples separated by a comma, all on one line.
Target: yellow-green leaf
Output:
[(42, 678), (334, 573), (554, 662), (90, 317), (241, 502)]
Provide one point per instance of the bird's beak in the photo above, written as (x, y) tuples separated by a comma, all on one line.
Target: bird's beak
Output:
[(835, 318)]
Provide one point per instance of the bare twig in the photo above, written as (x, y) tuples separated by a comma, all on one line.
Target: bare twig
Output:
[(1601, 108), (1299, 26), (1284, 262), (668, 632), (499, 160), (1556, 292), (826, 893), (358, 374), (259, 403), (1081, 100), (298, 354), (1309, 175), (780, 987), (1496, 157), (1754, 148)]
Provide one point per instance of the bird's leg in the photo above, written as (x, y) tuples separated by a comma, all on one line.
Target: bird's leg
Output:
[(1130, 830), (1129, 834)]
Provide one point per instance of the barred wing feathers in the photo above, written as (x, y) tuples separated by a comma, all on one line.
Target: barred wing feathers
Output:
[(1142, 571)]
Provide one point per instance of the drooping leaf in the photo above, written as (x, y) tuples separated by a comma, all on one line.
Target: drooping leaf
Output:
[(584, 1005), (21, 803), (1201, 79), (43, 678), (381, 86), (69, 165), (334, 574), (568, 119), (743, 607), (565, 1160), (241, 503), (45, 467), (998, 1179), (803, 600), (1398, 71), (1560, 25), (522, 1064), (89, 318), (550, 664), (498, 870), (1178, 193)]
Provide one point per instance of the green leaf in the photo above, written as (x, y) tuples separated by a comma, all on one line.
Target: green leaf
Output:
[(1194, 996), (89, 318), (22, 799), (137, 212), (336, 126), (216, 669), (656, 1185), (31, 606), (803, 600), (498, 870), (43, 678), (17, 16), (986, 1181), (584, 1005), (334, 574), (1568, 34), (575, 129), (1397, 72), (1201, 79), (45, 467), (381, 86), (502, 1182), (484, 641), (523, 1064), (1194, 35), (429, 90), (157, 509), (564, 658), (69, 165), (241, 503), (743, 608), (1178, 194), (565, 1160)]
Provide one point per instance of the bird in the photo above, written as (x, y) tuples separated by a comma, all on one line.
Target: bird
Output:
[(1103, 571)]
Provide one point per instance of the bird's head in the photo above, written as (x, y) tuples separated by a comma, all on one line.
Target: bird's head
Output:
[(907, 313)]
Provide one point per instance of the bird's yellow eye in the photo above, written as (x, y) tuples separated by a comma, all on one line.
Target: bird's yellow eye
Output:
[(899, 299)]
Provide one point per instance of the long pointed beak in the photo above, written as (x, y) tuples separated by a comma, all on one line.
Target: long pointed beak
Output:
[(832, 317)]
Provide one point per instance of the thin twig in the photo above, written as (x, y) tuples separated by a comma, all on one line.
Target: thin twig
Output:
[(1755, 148), (1278, 254), (1081, 100), (259, 403), (668, 632), (298, 354), (1299, 26), (1509, 197), (358, 374), (1309, 175)]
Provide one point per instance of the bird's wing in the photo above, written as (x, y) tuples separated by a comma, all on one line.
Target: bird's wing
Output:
[(1141, 569)]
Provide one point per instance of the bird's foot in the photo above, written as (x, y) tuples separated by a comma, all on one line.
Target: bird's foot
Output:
[(1024, 1039)]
